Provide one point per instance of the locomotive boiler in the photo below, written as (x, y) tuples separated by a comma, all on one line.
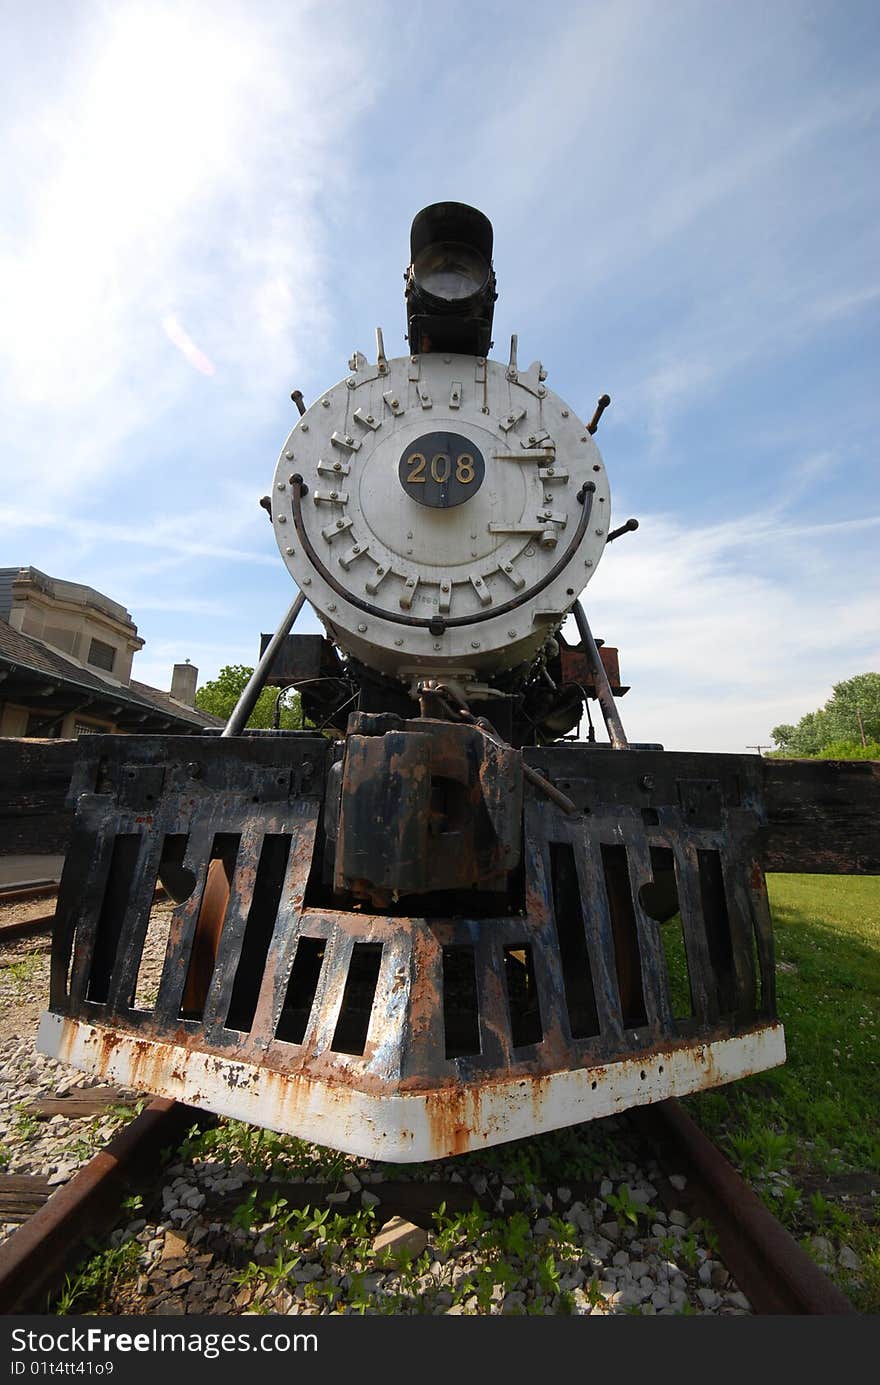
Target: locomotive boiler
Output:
[(435, 919)]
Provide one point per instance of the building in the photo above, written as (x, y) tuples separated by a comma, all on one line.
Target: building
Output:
[(65, 665)]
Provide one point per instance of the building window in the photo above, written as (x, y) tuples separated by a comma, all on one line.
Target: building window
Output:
[(101, 655), (44, 725)]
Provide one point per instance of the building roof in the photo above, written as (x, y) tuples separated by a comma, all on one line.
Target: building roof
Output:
[(34, 669), (59, 589)]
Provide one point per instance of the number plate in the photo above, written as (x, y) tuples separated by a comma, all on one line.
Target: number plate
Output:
[(441, 470)]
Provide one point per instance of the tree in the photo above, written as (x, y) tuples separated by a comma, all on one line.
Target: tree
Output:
[(219, 696), (851, 717)]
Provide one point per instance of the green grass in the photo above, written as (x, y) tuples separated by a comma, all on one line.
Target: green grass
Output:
[(23, 972), (93, 1287), (801, 1131)]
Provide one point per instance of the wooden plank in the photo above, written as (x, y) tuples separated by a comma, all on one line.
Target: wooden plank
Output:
[(90, 1101), (22, 1194), (823, 817), (34, 779)]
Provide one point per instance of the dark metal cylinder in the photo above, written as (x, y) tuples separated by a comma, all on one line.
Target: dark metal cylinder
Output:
[(616, 733), (255, 684)]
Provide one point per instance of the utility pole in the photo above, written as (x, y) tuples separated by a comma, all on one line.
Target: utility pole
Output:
[(759, 748), (861, 726)]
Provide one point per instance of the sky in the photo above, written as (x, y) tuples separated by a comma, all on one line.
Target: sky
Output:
[(207, 205)]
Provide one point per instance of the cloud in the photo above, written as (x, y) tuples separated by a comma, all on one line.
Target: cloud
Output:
[(175, 535), (726, 630), (146, 201)]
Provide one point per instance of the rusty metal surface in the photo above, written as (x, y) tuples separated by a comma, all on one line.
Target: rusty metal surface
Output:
[(34, 1259), (772, 1270), (574, 668), (384, 1120), (453, 796), (25, 928), (332, 1003)]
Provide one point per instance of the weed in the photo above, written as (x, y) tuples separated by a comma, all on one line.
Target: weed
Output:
[(687, 1250), (26, 1125), (23, 971), (623, 1204), (760, 1150), (96, 1285)]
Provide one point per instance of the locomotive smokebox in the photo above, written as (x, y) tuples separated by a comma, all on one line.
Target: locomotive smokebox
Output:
[(450, 283)]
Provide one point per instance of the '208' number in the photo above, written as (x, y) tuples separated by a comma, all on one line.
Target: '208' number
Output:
[(441, 468)]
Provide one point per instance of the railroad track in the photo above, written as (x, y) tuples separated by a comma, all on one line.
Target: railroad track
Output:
[(33, 927), (768, 1265)]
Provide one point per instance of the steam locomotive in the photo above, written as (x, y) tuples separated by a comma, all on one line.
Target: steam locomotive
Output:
[(435, 919)]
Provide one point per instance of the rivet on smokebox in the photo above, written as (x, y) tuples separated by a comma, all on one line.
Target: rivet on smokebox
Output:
[(363, 629)]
